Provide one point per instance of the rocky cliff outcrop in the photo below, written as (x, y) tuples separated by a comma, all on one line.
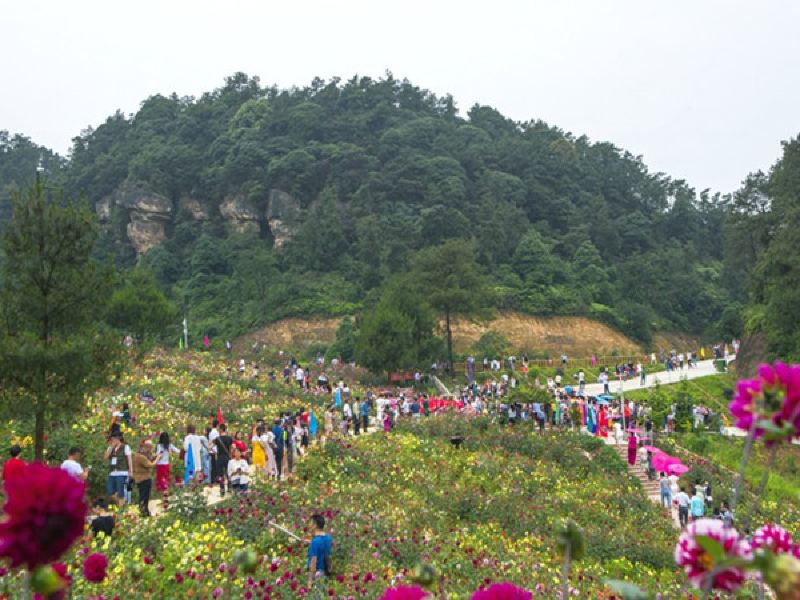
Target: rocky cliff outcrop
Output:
[(283, 216), (103, 210), (240, 214), (195, 208), (148, 216)]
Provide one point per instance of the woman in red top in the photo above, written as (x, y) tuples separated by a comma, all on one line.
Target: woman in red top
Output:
[(238, 442), (14, 465)]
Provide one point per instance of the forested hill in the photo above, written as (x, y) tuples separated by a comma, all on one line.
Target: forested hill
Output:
[(252, 203)]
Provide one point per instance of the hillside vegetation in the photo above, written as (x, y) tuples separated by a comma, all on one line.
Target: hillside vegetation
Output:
[(578, 336), (253, 203)]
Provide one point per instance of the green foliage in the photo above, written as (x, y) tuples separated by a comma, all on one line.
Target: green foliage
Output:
[(397, 332), (491, 345), (345, 345), (53, 347), (452, 282), (379, 171), (139, 308)]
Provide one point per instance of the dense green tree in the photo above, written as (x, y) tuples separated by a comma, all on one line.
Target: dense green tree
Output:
[(139, 308), (53, 347), (397, 332), (450, 278)]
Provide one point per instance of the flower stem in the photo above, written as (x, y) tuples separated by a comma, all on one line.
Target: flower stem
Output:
[(25, 586), (748, 448), (761, 487), (565, 572)]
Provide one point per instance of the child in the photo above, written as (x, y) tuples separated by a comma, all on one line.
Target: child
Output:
[(100, 520)]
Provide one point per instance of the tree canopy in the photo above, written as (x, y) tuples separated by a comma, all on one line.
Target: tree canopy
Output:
[(372, 172)]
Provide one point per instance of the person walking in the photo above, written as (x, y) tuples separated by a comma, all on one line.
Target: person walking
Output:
[(319, 551), (193, 446), (223, 443), (683, 507), (288, 446), (277, 432), (163, 473), (259, 449), (632, 443), (356, 416), (697, 507), (666, 491), (143, 464)]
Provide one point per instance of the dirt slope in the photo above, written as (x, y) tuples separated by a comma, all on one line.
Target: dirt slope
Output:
[(577, 336)]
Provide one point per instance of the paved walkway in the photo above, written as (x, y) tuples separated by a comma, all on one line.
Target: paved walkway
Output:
[(705, 368)]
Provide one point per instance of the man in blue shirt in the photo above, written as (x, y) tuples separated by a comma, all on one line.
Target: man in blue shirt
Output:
[(319, 550), (277, 431), (365, 406)]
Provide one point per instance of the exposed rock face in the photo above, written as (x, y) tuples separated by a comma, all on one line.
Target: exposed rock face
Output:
[(148, 215), (194, 207), (103, 210), (240, 214), (283, 216)]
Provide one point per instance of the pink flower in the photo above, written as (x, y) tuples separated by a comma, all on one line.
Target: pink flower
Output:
[(697, 563), (404, 592), (45, 512), (217, 592), (774, 395), (502, 591), (743, 407), (774, 538), (94, 567)]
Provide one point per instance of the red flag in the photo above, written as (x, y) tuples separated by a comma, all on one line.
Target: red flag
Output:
[(220, 418)]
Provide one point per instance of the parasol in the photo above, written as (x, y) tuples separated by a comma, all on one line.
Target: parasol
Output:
[(677, 469)]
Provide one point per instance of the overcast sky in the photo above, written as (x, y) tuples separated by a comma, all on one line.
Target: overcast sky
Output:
[(705, 90)]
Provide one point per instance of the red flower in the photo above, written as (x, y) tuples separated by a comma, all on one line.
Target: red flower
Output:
[(94, 567), (404, 592), (502, 591), (45, 513)]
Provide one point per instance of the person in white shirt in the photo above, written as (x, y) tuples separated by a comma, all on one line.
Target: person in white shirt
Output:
[(120, 463), (299, 376), (238, 471), (683, 501), (73, 466), (192, 447)]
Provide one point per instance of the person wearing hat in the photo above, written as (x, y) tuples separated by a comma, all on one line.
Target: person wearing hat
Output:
[(143, 464), (120, 466)]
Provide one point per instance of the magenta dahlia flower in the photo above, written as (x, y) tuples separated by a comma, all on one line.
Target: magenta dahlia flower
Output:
[(698, 564), (94, 567), (744, 406), (45, 512), (774, 538), (502, 591), (774, 394), (404, 592)]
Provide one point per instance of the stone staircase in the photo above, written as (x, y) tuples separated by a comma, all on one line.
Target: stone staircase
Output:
[(651, 488)]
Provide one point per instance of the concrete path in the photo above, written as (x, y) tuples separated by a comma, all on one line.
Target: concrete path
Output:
[(705, 368)]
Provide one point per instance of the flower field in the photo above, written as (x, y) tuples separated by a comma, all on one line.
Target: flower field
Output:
[(402, 508)]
